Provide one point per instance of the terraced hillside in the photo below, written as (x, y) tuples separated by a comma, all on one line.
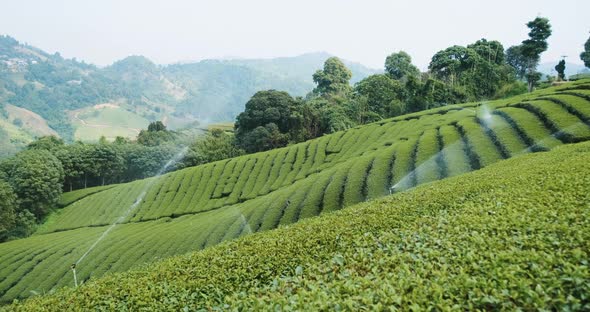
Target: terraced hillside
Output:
[(202, 206), (489, 240)]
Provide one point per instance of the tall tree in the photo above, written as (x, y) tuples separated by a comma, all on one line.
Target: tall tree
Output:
[(531, 48), (333, 79), (585, 56), (271, 116), (560, 68), (399, 65)]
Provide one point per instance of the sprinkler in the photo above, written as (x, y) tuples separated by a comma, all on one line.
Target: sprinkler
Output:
[(73, 267), (393, 189)]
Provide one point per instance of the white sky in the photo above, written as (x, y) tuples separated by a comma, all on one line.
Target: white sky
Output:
[(366, 31)]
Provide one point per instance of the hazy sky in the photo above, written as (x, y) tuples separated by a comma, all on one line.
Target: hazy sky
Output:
[(366, 31)]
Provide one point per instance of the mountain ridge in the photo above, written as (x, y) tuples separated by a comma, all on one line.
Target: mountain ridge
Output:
[(205, 91)]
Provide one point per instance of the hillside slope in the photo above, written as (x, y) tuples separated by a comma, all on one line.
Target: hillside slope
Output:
[(180, 94), (202, 206), (513, 236)]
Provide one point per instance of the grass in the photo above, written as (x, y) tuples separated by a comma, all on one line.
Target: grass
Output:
[(202, 206), (110, 121), (487, 240)]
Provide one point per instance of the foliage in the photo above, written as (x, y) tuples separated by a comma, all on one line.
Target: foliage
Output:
[(48, 143), (156, 126), (216, 145), (489, 240), (25, 225), (156, 134), (585, 56), (333, 79), (399, 65), (531, 48), (516, 60), (383, 96), (7, 209), (36, 176), (270, 120), (480, 68), (560, 68), (202, 206)]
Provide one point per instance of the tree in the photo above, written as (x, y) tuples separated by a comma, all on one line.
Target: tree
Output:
[(329, 117), (531, 48), (272, 116), (73, 163), (381, 95), (7, 210), (156, 134), (156, 126), (108, 163), (216, 145), (480, 68), (333, 79), (585, 56), (399, 65), (263, 138), (48, 143), (142, 161), (449, 64), (516, 60), (560, 68), (36, 176)]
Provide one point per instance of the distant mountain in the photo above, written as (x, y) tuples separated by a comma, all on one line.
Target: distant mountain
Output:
[(65, 91), (218, 89), (570, 68)]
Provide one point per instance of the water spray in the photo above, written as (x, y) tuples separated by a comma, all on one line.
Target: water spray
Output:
[(136, 203)]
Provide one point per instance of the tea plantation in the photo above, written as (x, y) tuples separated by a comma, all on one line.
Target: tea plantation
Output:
[(202, 206), (486, 240)]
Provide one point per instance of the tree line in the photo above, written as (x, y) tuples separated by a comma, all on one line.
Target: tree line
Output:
[(479, 71), (32, 181)]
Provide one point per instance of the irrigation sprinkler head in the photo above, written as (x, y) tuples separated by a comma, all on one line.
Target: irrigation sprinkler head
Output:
[(73, 267), (393, 189)]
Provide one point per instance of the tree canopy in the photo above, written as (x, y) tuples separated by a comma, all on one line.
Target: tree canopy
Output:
[(560, 68), (399, 65), (525, 57), (333, 79), (480, 68), (37, 177), (585, 56), (269, 120)]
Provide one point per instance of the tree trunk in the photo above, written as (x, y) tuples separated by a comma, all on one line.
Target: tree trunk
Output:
[(103, 180), (85, 179), (70, 186)]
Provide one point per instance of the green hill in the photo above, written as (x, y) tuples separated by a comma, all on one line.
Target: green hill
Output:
[(514, 236), (202, 206), (60, 89)]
